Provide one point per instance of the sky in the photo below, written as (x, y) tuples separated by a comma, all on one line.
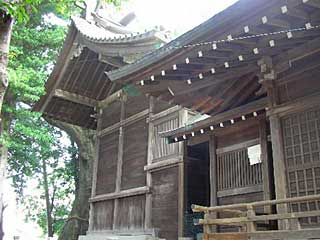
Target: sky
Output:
[(177, 16)]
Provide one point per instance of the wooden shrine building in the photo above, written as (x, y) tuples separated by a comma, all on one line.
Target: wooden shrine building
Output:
[(226, 115)]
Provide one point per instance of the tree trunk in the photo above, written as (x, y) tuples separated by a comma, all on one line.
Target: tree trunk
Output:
[(6, 22), (78, 221), (47, 197)]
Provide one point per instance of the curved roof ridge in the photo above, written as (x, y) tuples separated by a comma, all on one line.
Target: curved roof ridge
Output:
[(98, 34)]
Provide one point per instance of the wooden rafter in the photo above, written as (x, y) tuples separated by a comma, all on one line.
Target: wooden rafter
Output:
[(72, 97)]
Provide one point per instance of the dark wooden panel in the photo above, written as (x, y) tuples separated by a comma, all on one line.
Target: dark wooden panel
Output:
[(238, 134), (111, 115), (131, 213), (234, 170), (165, 202), (107, 163), (299, 86), (160, 106), (135, 155), (102, 215), (136, 104), (301, 134)]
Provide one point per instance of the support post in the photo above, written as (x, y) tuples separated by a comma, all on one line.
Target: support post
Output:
[(119, 165), (95, 167), (279, 167), (183, 116), (267, 188), (148, 205), (213, 177)]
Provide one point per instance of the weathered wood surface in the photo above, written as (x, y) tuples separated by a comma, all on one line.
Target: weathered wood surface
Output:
[(107, 164), (72, 97), (131, 213), (135, 155), (217, 119), (121, 194), (256, 204), (111, 115), (262, 235), (165, 202), (301, 134), (279, 165), (102, 216), (250, 219), (170, 162)]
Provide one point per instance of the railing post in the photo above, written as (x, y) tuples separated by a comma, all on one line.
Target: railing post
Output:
[(251, 226), (206, 228)]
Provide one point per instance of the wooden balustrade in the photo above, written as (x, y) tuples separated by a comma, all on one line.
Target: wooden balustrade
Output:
[(247, 218)]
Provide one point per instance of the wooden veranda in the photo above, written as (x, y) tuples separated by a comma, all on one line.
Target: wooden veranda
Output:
[(247, 221)]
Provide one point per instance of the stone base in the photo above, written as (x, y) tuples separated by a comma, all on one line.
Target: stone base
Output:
[(111, 235)]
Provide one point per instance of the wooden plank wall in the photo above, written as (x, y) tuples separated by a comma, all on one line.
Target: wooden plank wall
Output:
[(121, 200), (135, 155), (131, 213), (102, 215), (107, 164), (122, 155), (165, 202), (165, 167)]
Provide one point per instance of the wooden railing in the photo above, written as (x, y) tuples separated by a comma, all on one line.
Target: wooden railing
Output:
[(246, 218)]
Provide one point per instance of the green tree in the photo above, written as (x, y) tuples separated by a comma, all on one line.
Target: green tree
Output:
[(32, 145)]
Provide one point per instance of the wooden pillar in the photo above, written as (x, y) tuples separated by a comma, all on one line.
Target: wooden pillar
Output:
[(95, 166), (183, 116), (213, 177), (148, 205), (279, 166), (267, 185), (119, 164)]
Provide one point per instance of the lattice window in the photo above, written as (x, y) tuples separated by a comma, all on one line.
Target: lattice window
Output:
[(160, 147), (234, 170), (301, 133)]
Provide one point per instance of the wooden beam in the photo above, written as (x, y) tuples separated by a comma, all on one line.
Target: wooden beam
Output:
[(240, 191), (172, 162), (164, 113), (118, 95), (284, 61), (296, 105), (121, 194), (307, 198), (125, 122), (312, 3), (76, 98), (225, 116), (240, 87)]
